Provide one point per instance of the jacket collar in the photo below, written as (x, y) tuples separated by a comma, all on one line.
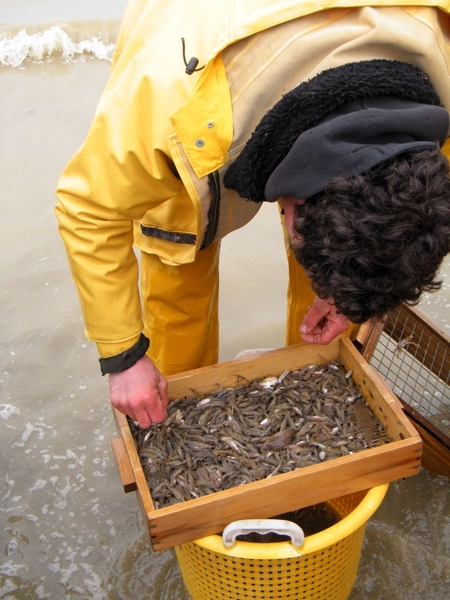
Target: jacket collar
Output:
[(309, 103)]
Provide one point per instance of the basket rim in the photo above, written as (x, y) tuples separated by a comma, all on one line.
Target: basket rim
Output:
[(357, 518)]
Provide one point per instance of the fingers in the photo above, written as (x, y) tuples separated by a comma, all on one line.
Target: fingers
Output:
[(324, 337), (145, 408), (148, 408), (309, 322), (140, 392), (316, 316), (162, 389), (142, 417), (322, 323)]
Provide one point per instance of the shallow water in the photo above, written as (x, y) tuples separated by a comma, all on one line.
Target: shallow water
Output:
[(67, 529)]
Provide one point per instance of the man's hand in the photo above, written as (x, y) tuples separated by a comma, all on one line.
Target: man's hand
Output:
[(140, 392), (322, 323)]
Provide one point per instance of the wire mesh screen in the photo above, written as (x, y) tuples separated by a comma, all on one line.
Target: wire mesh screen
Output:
[(414, 359)]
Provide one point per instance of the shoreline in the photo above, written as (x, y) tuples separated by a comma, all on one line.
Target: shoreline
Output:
[(78, 28)]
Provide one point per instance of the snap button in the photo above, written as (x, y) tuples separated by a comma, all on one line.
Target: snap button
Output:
[(199, 143)]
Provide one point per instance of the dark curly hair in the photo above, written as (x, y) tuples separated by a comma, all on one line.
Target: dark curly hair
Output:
[(375, 240)]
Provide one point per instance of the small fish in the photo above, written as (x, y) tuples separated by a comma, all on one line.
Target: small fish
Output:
[(234, 445), (279, 440), (404, 343), (203, 402), (269, 382), (364, 419)]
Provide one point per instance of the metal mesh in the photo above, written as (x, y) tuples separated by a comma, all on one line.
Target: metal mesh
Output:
[(414, 360)]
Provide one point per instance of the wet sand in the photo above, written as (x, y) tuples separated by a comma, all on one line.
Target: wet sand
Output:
[(67, 528)]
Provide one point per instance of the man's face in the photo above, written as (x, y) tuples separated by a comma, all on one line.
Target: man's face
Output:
[(291, 212), (288, 205)]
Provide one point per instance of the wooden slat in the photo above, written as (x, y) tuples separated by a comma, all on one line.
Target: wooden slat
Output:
[(436, 456), (144, 496), (247, 368), (368, 336), (210, 514), (123, 463), (378, 395), (436, 445)]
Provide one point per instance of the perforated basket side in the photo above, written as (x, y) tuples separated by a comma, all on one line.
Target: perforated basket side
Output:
[(327, 573)]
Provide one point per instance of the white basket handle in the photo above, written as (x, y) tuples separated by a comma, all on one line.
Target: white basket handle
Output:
[(263, 526)]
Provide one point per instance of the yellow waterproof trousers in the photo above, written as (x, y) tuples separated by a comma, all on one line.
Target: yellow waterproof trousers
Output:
[(180, 307), (180, 311)]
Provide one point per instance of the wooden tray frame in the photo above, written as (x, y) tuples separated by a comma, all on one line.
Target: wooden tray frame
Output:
[(199, 517)]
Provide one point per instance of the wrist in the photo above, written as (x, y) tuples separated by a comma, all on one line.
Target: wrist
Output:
[(126, 359)]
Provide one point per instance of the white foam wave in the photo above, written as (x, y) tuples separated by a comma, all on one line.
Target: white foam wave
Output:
[(7, 410), (44, 45)]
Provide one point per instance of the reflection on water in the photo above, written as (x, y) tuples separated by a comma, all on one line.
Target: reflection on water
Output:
[(67, 529)]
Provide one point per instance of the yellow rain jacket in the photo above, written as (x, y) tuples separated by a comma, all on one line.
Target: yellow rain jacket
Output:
[(141, 176)]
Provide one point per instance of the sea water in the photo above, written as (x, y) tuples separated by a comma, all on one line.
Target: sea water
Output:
[(67, 529)]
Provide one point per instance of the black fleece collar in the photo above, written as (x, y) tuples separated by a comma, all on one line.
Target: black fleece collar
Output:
[(310, 102)]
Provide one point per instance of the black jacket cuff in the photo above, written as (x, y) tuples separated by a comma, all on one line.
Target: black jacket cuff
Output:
[(125, 360)]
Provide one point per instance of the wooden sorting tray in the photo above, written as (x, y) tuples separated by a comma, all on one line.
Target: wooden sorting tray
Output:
[(199, 517)]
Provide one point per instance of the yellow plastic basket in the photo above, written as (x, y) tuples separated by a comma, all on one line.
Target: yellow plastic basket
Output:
[(324, 568)]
